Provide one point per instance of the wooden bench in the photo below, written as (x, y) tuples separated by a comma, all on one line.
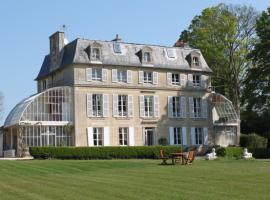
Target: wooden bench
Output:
[(190, 158), (163, 157)]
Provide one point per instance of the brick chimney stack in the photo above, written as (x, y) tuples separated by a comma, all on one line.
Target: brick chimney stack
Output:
[(57, 43)]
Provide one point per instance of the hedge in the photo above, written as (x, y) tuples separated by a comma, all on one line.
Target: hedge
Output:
[(101, 152), (230, 152), (260, 152), (253, 141)]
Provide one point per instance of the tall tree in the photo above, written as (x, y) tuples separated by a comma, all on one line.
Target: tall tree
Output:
[(256, 93), (225, 34)]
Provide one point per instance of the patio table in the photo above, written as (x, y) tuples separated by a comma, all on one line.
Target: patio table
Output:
[(178, 155)]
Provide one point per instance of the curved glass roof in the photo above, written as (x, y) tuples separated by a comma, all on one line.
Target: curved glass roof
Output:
[(52, 105), (223, 110)]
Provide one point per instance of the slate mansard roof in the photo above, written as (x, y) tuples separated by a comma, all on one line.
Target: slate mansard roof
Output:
[(76, 53)]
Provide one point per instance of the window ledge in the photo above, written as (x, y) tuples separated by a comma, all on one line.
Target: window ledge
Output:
[(123, 118)]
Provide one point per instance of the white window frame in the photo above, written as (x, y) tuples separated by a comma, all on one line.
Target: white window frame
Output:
[(95, 53), (147, 57), (176, 106), (96, 112), (122, 105), (174, 79), (195, 61), (96, 74), (99, 139), (147, 77), (197, 107), (177, 135), (117, 48), (148, 106), (199, 139), (123, 136), (196, 80), (121, 75)]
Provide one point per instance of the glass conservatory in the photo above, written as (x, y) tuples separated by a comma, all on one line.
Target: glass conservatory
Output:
[(44, 119), (225, 120)]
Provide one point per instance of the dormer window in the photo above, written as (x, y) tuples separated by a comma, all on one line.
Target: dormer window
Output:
[(195, 61), (147, 57), (117, 48), (171, 53), (95, 53)]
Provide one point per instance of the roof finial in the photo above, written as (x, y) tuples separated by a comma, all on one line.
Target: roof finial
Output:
[(117, 38)]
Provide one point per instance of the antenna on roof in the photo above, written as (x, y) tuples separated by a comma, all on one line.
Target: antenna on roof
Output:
[(63, 28)]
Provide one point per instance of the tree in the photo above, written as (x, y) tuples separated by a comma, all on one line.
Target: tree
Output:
[(256, 93), (225, 34)]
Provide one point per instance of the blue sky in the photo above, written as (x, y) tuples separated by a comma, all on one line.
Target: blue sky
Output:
[(25, 26)]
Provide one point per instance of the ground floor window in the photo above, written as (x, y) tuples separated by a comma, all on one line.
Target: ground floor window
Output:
[(198, 136), (98, 136), (177, 135), (46, 136), (123, 136)]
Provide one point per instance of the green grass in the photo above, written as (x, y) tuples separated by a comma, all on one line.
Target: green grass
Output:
[(134, 179)]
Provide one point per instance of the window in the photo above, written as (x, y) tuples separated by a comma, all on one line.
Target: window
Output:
[(122, 76), (122, 105), (196, 80), (197, 106), (195, 61), (123, 136), (117, 48), (44, 84), (148, 106), (147, 77), (96, 74), (176, 107), (95, 53), (146, 57), (175, 79), (171, 53), (98, 136), (177, 135), (96, 105), (198, 136)]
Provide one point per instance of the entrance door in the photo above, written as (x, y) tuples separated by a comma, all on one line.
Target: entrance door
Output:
[(149, 136)]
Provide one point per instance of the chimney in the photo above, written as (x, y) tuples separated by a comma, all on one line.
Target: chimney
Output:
[(57, 43), (117, 38), (179, 43)]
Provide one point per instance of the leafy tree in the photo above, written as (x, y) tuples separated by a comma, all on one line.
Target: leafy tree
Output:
[(256, 93), (225, 34)]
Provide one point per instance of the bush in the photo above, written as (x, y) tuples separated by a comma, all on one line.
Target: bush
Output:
[(162, 141), (101, 152), (230, 152), (253, 141), (260, 152)]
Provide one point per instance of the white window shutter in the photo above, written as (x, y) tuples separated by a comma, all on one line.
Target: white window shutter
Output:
[(171, 132), (191, 107), (183, 80), (155, 78), (193, 140), (104, 75), (114, 75), (190, 80), (156, 106), (131, 136), (183, 107), (129, 76), (184, 135), (204, 108), (89, 105), (170, 107), (142, 110), (141, 77), (90, 136), (130, 105), (205, 134), (169, 78), (106, 134), (203, 81), (88, 74), (115, 105), (105, 101)]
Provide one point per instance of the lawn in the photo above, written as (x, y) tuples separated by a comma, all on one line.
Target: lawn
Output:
[(134, 179)]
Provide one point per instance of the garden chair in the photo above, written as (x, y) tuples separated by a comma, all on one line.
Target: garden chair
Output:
[(190, 158), (163, 157)]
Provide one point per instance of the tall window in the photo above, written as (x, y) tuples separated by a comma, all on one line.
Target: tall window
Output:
[(177, 135), (44, 84), (97, 105), (148, 106), (122, 105), (95, 53), (176, 107), (98, 136), (198, 136), (196, 80), (147, 57), (147, 77), (175, 79), (122, 76), (197, 102), (96, 74), (123, 136), (195, 61)]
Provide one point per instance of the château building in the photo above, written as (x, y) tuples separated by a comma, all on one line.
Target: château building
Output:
[(113, 93)]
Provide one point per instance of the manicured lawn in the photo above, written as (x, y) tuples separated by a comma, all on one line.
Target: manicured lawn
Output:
[(134, 179)]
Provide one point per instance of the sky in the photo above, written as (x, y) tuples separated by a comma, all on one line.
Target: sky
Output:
[(25, 27)]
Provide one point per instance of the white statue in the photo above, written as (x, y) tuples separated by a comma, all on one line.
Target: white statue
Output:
[(246, 154), (211, 156)]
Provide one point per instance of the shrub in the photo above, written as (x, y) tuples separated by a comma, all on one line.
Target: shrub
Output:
[(162, 141), (230, 152), (260, 152), (101, 152), (253, 141)]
